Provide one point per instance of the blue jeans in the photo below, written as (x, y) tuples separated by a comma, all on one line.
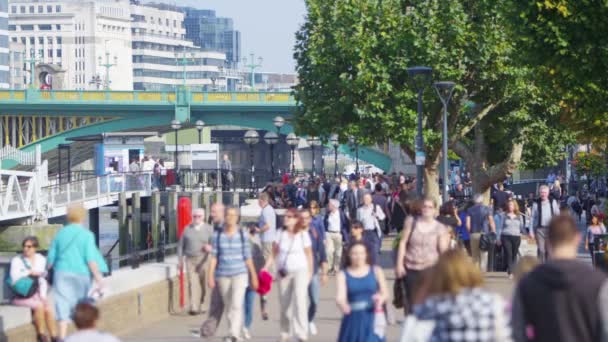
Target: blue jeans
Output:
[(314, 292), (249, 301)]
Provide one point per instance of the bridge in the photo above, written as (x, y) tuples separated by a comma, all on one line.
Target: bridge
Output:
[(47, 118)]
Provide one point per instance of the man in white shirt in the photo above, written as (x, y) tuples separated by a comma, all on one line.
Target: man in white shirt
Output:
[(543, 211), (370, 215), (336, 224), (267, 227)]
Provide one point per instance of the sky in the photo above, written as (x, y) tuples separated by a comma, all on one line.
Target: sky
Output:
[(267, 27)]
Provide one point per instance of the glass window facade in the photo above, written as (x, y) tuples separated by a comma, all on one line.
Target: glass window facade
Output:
[(213, 33)]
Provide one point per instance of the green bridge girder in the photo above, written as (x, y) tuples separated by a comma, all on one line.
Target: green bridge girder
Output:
[(136, 110)]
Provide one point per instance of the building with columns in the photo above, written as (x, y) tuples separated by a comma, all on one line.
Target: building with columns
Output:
[(77, 36)]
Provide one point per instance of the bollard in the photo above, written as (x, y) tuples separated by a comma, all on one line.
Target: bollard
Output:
[(184, 218)]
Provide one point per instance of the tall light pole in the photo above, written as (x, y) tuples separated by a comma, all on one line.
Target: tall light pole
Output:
[(278, 123), (313, 141), (292, 141), (271, 138), (107, 65), (420, 77), (200, 124), (444, 91), (251, 138), (335, 143), (183, 62), (32, 62), (176, 125), (252, 66), (353, 141)]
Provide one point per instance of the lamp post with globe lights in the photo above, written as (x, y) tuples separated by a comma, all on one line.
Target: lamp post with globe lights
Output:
[(199, 127), (176, 125), (251, 138), (313, 141), (278, 122), (335, 143), (292, 141), (271, 138)]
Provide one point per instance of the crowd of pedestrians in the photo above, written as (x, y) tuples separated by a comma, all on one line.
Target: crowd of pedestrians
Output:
[(333, 231)]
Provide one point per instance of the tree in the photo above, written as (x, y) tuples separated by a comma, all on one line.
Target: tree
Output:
[(564, 41), (352, 58)]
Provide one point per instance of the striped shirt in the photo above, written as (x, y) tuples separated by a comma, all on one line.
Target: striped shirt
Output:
[(232, 253)]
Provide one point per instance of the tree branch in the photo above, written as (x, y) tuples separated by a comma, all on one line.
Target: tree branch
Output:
[(505, 168), (461, 149), (473, 122)]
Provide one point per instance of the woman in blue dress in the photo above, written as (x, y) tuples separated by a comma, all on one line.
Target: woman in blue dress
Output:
[(361, 288)]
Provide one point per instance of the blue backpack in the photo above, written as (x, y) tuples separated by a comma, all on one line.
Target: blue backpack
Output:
[(25, 287)]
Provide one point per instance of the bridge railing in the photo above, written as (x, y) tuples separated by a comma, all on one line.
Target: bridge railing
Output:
[(71, 96), (25, 194)]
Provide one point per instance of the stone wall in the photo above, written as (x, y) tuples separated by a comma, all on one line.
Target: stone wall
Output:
[(122, 312)]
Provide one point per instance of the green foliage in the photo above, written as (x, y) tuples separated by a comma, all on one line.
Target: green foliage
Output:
[(592, 164), (352, 58), (565, 42)]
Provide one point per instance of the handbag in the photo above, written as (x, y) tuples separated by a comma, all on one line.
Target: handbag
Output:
[(398, 294), (486, 241), (24, 287)]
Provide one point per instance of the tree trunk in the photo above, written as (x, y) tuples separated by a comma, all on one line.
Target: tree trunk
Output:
[(431, 182)]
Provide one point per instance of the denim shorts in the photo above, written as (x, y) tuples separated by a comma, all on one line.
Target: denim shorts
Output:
[(68, 290)]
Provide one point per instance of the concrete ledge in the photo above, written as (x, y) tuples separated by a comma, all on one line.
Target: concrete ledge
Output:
[(134, 297)]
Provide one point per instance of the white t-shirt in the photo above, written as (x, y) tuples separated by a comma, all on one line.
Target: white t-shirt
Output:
[(291, 251), (19, 269)]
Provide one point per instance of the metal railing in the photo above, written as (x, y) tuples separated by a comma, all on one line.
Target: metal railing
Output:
[(43, 201)]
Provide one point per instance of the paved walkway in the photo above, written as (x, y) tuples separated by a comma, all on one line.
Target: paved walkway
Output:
[(182, 328)]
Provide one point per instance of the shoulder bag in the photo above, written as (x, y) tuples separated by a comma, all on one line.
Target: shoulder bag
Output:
[(24, 287)]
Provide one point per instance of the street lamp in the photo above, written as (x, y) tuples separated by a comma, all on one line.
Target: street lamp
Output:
[(278, 122), (251, 138), (353, 141), (200, 124), (107, 65), (252, 66), (313, 141), (271, 138), (176, 125), (335, 143), (420, 77), (292, 141), (444, 91)]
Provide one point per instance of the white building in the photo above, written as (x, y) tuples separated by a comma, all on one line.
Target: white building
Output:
[(4, 52), (160, 52), (76, 35)]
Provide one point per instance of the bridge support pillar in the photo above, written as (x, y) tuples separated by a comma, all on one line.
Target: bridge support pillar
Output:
[(171, 212), (136, 220), (195, 198), (123, 224), (94, 224)]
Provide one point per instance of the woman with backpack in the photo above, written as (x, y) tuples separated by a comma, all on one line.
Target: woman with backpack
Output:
[(27, 281), (231, 269)]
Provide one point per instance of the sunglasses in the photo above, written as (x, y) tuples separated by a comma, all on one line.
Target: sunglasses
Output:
[(29, 246), (290, 216), (428, 207), (197, 215)]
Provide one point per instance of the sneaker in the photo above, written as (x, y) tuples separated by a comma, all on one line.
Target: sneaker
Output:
[(265, 316), (312, 329), (246, 334)]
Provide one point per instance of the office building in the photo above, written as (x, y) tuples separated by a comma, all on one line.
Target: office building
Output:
[(16, 59), (162, 57), (213, 33), (76, 36), (4, 51)]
